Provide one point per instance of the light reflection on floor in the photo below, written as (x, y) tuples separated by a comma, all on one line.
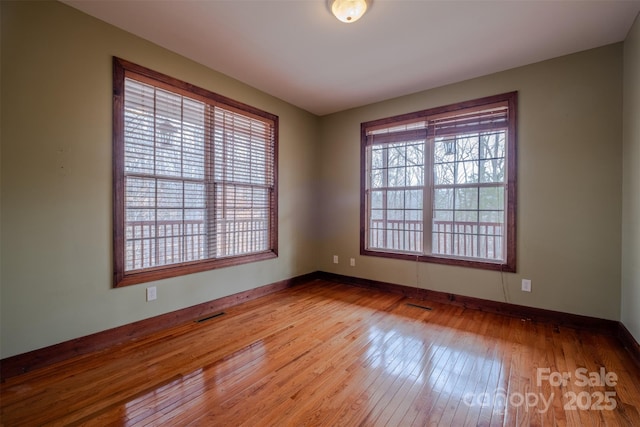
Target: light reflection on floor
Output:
[(194, 389), (444, 367), (184, 393), (400, 355)]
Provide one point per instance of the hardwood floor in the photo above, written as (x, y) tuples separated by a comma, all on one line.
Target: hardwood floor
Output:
[(329, 354)]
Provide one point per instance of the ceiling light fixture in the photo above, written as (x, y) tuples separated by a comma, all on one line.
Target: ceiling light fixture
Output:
[(348, 10)]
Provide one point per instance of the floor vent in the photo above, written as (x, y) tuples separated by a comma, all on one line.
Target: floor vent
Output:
[(424, 307), (213, 316)]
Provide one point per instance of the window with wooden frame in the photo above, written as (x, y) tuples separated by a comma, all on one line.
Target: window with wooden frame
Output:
[(439, 185), (194, 178)]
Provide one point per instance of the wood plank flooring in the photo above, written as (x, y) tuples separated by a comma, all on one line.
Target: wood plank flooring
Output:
[(328, 354)]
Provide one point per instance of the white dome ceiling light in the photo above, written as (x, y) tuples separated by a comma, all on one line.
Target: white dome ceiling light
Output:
[(349, 11)]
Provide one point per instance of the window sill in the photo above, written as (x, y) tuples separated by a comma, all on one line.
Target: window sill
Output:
[(509, 267), (174, 270)]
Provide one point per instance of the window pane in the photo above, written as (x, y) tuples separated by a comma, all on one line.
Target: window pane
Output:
[(395, 199), (491, 198), (397, 155), (444, 150), (377, 158), (493, 217), (193, 135), (415, 176), (377, 213), (492, 145), (170, 194), (466, 198), (467, 172), (376, 199), (395, 214), (139, 215), (168, 160), (415, 154), (397, 177), (195, 215), (443, 215), (492, 170), (194, 195), (140, 192), (465, 216), (377, 178), (139, 157), (242, 145), (492, 148), (442, 242), (443, 198), (242, 219), (443, 173), (467, 148), (413, 215), (413, 199), (139, 127)]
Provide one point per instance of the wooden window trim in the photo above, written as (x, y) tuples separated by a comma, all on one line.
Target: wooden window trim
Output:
[(121, 68), (509, 264)]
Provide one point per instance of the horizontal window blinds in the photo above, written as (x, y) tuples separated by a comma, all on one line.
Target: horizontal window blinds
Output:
[(485, 118), (198, 179)]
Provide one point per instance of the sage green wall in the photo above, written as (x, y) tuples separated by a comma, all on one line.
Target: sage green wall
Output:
[(56, 180), (55, 206), (569, 187), (631, 184)]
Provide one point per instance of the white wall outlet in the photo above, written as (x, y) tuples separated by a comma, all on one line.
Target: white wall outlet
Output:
[(335, 259), (352, 262), (152, 293), (526, 285)]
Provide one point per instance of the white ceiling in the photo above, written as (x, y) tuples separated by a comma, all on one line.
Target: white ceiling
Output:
[(297, 51)]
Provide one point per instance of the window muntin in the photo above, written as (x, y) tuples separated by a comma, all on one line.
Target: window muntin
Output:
[(439, 185), (194, 178)]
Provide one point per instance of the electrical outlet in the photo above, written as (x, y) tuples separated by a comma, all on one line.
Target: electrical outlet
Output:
[(335, 259), (152, 293), (526, 285), (352, 262)]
